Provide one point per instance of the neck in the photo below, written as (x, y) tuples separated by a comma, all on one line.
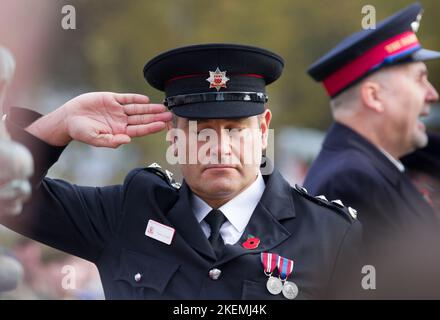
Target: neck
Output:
[(217, 202), (374, 135)]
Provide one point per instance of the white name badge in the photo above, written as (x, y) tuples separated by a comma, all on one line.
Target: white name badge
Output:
[(159, 232)]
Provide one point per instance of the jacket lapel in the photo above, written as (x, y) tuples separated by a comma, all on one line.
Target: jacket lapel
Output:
[(275, 205), (414, 199), (183, 219)]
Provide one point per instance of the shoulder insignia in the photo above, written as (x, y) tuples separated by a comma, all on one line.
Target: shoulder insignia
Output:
[(321, 200), (338, 203), (154, 165), (300, 189), (352, 212), (166, 175)]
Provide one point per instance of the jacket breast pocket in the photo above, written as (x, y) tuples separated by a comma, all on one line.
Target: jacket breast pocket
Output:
[(145, 276)]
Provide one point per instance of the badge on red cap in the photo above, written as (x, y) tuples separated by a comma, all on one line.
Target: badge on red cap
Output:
[(217, 79)]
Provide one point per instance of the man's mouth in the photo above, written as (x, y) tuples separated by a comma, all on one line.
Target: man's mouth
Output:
[(425, 112), (219, 167), (421, 125), (420, 122)]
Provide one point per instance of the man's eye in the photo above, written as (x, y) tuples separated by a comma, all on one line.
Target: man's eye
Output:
[(205, 131)]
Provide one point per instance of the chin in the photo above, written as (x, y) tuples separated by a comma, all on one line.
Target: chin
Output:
[(223, 185), (219, 174), (420, 140)]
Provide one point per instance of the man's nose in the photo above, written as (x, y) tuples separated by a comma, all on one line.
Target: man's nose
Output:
[(432, 94), (223, 142)]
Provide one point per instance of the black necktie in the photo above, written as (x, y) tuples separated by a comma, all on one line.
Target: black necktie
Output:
[(215, 219)]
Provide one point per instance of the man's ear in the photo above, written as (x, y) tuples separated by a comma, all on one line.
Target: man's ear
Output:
[(371, 96), (168, 125), (172, 125), (265, 119)]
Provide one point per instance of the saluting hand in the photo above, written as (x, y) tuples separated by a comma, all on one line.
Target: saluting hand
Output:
[(102, 119)]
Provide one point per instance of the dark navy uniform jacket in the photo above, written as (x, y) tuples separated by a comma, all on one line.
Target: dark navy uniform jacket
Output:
[(427, 159), (424, 169), (350, 168), (106, 225)]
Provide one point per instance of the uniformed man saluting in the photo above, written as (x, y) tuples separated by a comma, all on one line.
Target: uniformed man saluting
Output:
[(228, 232)]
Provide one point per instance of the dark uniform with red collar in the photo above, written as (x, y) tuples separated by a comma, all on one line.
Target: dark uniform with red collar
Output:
[(387, 201), (107, 225)]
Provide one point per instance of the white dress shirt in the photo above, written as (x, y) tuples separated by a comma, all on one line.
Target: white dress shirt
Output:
[(394, 161), (238, 211)]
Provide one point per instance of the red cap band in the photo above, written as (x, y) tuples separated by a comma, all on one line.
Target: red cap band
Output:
[(372, 58)]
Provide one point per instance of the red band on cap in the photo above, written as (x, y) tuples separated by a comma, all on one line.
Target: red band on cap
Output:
[(248, 75), (200, 75), (372, 58)]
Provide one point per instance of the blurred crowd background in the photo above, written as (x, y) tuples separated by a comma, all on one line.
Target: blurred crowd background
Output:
[(107, 51)]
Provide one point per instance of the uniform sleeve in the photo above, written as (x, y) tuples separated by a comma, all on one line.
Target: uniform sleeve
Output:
[(78, 220)]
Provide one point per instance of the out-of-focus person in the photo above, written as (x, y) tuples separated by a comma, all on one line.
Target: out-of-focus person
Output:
[(16, 167), (378, 84)]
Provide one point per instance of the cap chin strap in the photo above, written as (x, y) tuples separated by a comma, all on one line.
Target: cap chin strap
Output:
[(181, 100)]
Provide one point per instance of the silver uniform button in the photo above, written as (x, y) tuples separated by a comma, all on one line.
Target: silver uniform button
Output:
[(214, 274), (137, 277)]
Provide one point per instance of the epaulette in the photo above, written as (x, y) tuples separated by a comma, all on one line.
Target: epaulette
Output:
[(166, 175), (336, 205)]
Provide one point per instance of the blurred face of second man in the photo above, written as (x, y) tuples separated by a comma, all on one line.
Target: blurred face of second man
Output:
[(404, 97)]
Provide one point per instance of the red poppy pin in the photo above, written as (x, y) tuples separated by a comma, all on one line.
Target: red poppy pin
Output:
[(251, 243)]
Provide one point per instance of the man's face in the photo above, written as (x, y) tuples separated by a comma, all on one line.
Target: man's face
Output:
[(222, 156), (407, 97)]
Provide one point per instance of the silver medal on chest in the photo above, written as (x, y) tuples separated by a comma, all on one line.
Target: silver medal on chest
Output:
[(274, 285), (290, 290)]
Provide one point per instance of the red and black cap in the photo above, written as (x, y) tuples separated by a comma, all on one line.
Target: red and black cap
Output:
[(213, 81), (393, 41)]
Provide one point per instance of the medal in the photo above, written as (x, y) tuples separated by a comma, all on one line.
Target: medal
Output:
[(285, 268), (274, 285), (269, 261), (290, 290)]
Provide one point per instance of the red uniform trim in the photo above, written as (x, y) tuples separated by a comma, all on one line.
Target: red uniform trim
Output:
[(369, 60)]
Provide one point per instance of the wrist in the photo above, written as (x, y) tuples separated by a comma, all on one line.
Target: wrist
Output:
[(52, 128)]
